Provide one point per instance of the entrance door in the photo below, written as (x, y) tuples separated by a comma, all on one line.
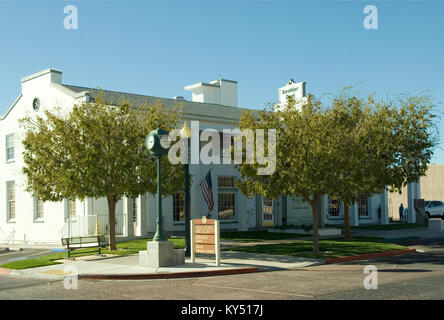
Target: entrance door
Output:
[(251, 212)]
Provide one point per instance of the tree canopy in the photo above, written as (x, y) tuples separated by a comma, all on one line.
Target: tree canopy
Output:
[(97, 150), (353, 147), (380, 144)]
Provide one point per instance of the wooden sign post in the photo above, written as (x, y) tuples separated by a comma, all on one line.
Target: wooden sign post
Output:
[(205, 237)]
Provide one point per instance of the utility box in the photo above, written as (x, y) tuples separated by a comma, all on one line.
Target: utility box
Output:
[(419, 210)]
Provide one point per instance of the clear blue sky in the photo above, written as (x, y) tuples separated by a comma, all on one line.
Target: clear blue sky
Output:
[(156, 48)]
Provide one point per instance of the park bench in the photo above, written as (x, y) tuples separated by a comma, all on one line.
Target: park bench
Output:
[(74, 243)]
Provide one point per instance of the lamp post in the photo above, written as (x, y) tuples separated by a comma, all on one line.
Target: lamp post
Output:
[(185, 133), (158, 144)]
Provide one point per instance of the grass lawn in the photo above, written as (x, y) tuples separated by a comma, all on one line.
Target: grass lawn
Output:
[(123, 248), (258, 236), (392, 226), (334, 248)]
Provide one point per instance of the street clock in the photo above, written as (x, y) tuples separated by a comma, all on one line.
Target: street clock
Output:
[(157, 142)]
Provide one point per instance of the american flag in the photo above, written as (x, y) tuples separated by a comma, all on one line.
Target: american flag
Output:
[(207, 191)]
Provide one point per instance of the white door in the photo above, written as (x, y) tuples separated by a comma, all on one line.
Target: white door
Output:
[(251, 212)]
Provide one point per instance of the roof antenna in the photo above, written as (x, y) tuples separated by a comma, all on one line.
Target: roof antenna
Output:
[(220, 89)]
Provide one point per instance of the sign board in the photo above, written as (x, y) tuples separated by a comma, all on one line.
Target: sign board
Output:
[(205, 237), (293, 89)]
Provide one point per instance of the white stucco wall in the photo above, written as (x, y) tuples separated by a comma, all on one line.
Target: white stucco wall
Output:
[(27, 229)]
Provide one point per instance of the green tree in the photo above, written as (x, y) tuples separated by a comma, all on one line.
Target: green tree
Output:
[(355, 147), (97, 151), (379, 144), (304, 154)]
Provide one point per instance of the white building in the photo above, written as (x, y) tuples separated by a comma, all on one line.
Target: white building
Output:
[(214, 105)]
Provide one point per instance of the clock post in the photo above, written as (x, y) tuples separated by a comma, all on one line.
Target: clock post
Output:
[(159, 236), (158, 145), (160, 252)]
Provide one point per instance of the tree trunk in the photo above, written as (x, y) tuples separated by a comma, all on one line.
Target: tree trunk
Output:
[(112, 223), (314, 209), (347, 232)]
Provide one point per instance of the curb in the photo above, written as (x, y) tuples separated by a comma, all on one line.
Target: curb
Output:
[(5, 271), (370, 256), (172, 275)]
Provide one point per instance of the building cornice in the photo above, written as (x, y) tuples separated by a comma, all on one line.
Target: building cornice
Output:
[(41, 73), (11, 107)]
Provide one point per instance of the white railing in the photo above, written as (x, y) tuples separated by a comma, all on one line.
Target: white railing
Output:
[(80, 226), (121, 223), (10, 237)]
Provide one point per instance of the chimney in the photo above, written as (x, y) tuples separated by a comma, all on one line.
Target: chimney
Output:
[(43, 78), (220, 91)]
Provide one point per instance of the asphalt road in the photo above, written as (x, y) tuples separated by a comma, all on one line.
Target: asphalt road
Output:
[(414, 276)]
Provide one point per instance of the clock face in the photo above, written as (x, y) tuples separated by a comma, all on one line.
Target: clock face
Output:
[(150, 142), (36, 104), (164, 142)]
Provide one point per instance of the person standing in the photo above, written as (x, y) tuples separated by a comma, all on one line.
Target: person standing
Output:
[(401, 211)]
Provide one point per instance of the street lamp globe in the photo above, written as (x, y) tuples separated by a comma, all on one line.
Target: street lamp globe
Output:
[(185, 132)]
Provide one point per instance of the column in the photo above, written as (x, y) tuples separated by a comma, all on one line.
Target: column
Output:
[(354, 217), (325, 208), (128, 213), (141, 214), (413, 193), (284, 219), (242, 220), (384, 207), (321, 212)]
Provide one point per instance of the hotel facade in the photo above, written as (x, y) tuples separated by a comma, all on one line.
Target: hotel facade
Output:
[(24, 219)]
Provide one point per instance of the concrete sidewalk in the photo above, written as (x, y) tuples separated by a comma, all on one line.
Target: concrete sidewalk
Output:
[(127, 267)]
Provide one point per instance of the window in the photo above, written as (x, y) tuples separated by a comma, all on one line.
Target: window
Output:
[(362, 206), (226, 198), (38, 209), (178, 206), (267, 209), (225, 182), (10, 196), (333, 207), (435, 204), (70, 208), (10, 147)]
